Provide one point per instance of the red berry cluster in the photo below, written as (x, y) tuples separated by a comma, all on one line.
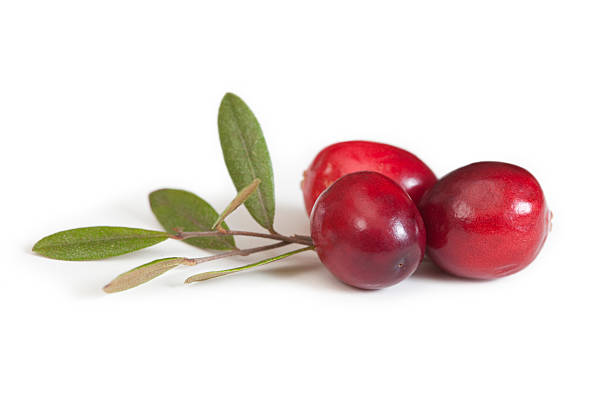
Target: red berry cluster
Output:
[(375, 209)]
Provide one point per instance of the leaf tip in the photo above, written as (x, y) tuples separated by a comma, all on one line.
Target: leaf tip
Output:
[(232, 99), (196, 278), (112, 287), (230, 95), (39, 248)]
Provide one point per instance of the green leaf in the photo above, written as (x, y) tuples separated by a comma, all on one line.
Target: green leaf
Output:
[(215, 274), (246, 157), (142, 274), (91, 243), (179, 209)]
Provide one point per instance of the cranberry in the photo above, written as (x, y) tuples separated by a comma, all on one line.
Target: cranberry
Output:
[(367, 231), (485, 220), (339, 159)]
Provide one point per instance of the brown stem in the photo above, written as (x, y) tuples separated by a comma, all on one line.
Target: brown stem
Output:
[(193, 234), (236, 252), (305, 237)]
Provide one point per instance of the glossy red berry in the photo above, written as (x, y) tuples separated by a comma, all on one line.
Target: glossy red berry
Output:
[(339, 159), (367, 231), (485, 220)]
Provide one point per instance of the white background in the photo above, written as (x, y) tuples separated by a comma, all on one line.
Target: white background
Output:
[(103, 102)]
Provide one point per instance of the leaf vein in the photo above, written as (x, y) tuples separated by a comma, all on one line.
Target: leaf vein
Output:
[(105, 239)]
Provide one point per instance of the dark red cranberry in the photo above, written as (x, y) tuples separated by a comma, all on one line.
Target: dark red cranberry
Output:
[(339, 159), (485, 220), (367, 231)]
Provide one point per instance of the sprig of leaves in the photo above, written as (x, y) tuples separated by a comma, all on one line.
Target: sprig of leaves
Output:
[(185, 216)]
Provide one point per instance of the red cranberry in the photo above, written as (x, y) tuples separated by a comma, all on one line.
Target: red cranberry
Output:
[(367, 231), (485, 220), (339, 159)]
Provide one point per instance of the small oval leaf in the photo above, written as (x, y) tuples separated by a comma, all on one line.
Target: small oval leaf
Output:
[(246, 157), (91, 243), (236, 202), (185, 211), (142, 274), (215, 274)]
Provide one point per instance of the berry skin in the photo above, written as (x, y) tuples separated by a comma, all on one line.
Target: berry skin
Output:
[(485, 220), (367, 231), (339, 159)]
